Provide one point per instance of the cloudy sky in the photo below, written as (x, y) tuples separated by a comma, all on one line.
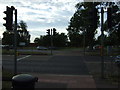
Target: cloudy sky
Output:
[(40, 14)]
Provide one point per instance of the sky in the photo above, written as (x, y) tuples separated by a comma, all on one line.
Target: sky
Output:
[(40, 15)]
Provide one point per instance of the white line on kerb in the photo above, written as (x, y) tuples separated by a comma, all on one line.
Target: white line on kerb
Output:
[(23, 57)]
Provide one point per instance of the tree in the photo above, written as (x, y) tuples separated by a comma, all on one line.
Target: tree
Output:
[(36, 40), (59, 40), (113, 32), (8, 38), (81, 23), (76, 39), (23, 33)]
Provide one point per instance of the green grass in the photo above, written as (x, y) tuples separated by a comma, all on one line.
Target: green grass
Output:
[(32, 53), (92, 53), (7, 75), (26, 47), (98, 53), (6, 85), (11, 52), (7, 52), (70, 48), (95, 70)]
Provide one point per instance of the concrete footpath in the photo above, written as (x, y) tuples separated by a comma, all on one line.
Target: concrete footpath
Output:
[(64, 81)]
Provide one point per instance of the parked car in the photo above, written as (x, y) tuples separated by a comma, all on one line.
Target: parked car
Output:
[(53, 48), (96, 47), (41, 48), (5, 47), (117, 58)]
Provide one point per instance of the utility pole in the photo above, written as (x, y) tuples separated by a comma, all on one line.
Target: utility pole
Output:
[(102, 43), (15, 43)]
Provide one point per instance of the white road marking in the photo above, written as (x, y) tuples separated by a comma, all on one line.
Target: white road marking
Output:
[(23, 57)]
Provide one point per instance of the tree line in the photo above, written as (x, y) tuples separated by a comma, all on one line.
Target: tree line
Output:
[(58, 40)]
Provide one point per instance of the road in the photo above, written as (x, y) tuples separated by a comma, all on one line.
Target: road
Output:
[(61, 70), (58, 64)]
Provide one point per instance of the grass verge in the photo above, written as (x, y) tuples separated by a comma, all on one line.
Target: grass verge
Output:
[(11, 52), (6, 79), (95, 71)]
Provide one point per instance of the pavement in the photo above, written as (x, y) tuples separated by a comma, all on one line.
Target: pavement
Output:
[(64, 81)]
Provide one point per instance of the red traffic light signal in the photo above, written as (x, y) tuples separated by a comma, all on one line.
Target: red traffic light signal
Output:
[(8, 18)]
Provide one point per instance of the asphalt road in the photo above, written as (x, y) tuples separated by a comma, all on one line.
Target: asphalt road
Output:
[(58, 64)]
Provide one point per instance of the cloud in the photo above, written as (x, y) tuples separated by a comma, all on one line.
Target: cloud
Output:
[(42, 14), (49, 9), (46, 13)]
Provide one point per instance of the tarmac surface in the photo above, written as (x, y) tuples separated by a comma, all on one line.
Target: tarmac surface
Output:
[(61, 70)]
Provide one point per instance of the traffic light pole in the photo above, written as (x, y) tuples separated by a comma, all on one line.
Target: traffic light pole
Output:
[(51, 42), (15, 44), (102, 44), (84, 42)]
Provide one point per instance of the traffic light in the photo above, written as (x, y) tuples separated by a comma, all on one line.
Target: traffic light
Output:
[(93, 17), (109, 17), (54, 31), (48, 32), (8, 18)]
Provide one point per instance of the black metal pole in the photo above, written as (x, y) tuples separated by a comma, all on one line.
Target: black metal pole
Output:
[(84, 42), (102, 43), (15, 44), (51, 41)]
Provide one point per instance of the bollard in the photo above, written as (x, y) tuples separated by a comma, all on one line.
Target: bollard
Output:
[(23, 81)]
